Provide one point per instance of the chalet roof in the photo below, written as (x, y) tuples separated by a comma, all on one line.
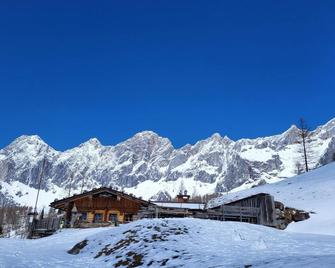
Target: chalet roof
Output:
[(98, 191)]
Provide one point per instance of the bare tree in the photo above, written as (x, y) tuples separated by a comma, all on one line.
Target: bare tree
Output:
[(304, 135), (13, 220)]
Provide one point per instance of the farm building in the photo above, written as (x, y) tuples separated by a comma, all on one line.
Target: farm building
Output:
[(99, 207), (258, 209)]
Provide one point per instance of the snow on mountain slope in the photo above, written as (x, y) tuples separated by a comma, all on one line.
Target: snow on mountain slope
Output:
[(148, 164), (313, 191), (172, 243), (25, 195)]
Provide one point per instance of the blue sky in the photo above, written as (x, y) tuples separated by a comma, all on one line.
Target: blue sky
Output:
[(71, 70)]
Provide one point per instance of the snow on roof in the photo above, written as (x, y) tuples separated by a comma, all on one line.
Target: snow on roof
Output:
[(96, 191), (180, 205), (232, 197)]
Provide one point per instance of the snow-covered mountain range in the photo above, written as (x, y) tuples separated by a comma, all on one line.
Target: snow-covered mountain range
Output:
[(149, 166)]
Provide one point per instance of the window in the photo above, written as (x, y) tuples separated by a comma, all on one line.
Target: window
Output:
[(83, 216), (112, 217), (128, 217), (98, 217)]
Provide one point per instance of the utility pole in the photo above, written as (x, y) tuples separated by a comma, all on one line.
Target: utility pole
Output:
[(83, 182), (70, 185)]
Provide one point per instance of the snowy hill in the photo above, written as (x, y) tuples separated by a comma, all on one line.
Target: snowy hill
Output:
[(313, 191), (148, 165), (172, 243)]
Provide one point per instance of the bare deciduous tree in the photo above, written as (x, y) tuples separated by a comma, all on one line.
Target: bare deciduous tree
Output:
[(13, 219), (304, 135)]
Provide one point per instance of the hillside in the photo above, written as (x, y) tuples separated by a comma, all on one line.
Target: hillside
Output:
[(313, 191), (172, 243), (149, 166)]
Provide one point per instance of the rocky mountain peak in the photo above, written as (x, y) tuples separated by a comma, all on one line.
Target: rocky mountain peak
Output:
[(146, 134), (328, 128), (91, 142), (227, 140), (29, 144), (148, 139), (32, 139), (216, 136), (148, 165)]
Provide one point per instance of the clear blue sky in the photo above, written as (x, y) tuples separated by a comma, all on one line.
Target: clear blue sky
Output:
[(71, 70)]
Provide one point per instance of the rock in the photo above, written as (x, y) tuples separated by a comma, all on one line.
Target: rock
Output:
[(286, 215), (300, 215), (279, 205), (78, 247)]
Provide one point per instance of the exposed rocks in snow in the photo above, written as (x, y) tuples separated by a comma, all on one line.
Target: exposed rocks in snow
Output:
[(173, 243), (78, 247), (286, 215), (197, 243)]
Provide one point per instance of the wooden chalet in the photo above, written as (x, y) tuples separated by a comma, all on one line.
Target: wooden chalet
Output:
[(99, 207)]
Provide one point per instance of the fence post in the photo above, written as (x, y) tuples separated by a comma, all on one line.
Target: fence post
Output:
[(241, 214)]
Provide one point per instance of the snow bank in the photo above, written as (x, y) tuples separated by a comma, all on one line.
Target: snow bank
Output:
[(173, 243)]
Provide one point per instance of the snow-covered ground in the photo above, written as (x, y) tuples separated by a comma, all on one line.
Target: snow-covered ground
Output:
[(173, 243), (313, 191), (200, 243)]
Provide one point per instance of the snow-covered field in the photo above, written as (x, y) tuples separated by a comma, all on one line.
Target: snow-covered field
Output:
[(313, 191), (173, 243)]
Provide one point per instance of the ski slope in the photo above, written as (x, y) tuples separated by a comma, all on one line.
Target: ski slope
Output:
[(173, 243), (313, 192)]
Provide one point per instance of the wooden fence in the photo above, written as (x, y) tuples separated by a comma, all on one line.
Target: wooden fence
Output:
[(225, 213), (44, 227)]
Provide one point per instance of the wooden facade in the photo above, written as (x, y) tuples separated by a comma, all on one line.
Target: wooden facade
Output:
[(258, 209), (99, 207), (183, 197)]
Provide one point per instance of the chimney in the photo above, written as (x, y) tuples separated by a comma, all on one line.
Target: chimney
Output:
[(183, 197)]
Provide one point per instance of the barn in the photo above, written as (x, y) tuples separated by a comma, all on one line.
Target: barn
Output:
[(258, 209)]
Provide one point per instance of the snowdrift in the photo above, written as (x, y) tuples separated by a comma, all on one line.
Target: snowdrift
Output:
[(172, 243)]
